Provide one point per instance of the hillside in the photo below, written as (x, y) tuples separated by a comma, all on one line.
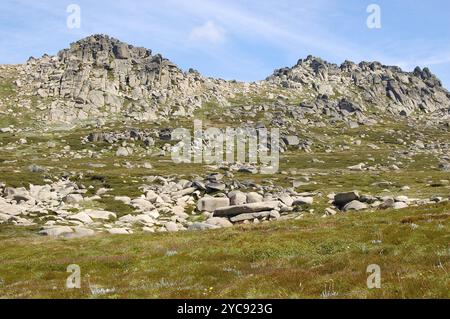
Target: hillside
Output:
[(87, 176)]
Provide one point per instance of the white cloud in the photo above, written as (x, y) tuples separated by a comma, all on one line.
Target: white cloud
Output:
[(209, 32)]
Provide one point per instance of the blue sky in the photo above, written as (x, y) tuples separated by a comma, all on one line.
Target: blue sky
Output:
[(243, 40)]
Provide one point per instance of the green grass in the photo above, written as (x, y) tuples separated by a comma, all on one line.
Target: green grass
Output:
[(277, 260), (296, 259)]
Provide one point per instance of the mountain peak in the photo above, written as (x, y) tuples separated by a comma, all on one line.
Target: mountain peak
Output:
[(100, 44)]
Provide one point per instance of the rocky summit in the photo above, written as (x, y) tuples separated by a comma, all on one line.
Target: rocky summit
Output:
[(86, 138)]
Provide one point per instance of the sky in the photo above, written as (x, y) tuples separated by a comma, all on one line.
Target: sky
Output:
[(239, 39)]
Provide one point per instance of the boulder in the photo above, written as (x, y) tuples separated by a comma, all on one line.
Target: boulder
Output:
[(341, 199), (219, 222), (252, 216), (254, 198), (400, 205), (237, 198), (171, 227), (73, 198), (355, 205), (124, 151), (387, 204), (210, 204), (298, 201), (403, 199), (82, 217), (275, 214), (215, 187), (287, 200), (358, 167), (231, 211), (142, 204), (201, 226)]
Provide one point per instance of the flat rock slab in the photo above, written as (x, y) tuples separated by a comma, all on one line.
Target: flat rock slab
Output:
[(231, 211), (299, 201), (202, 226), (355, 205), (244, 217)]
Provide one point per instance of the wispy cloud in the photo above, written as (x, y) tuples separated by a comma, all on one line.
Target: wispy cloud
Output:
[(209, 32)]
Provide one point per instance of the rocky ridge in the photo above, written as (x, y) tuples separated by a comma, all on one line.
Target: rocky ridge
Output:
[(369, 84), (100, 78)]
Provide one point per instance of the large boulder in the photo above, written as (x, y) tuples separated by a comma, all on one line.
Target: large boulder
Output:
[(237, 198), (171, 227), (254, 198), (82, 217), (252, 216), (202, 226), (342, 199), (231, 211), (299, 201), (219, 222), (210, 204), (73, 198)]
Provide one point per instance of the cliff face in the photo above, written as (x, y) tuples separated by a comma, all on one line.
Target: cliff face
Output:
[(103, 78)]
